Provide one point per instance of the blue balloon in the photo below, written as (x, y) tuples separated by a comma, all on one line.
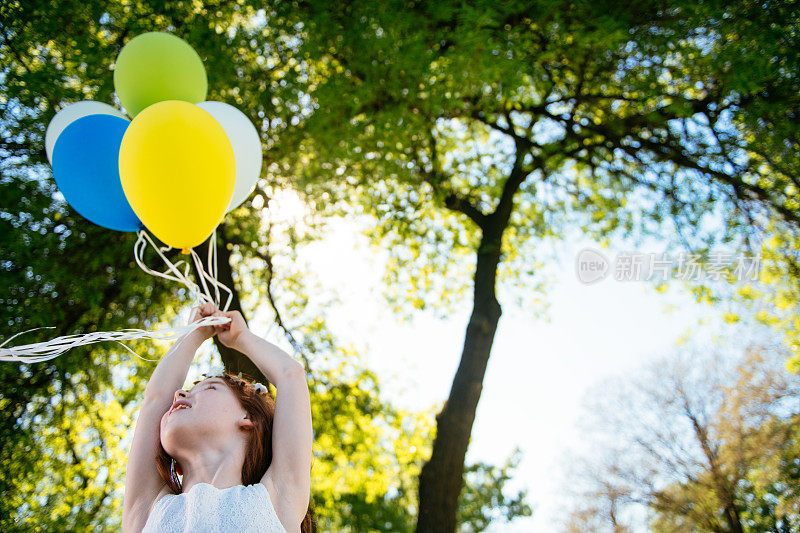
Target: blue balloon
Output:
[(86, 169)]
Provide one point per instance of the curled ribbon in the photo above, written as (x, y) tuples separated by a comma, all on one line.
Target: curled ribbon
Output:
[(43, 351)]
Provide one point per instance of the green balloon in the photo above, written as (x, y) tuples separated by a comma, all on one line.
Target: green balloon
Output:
[(157, 66)]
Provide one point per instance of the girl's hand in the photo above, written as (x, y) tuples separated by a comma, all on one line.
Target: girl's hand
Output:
[(203, 332), (233, 332)]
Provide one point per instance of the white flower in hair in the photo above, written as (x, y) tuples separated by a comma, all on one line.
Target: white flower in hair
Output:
[(259, 387), (216, 371)]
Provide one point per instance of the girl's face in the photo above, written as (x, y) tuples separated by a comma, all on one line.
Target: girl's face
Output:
[(212, 421)]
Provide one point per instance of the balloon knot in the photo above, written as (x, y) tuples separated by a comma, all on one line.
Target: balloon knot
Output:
[(186, 251)]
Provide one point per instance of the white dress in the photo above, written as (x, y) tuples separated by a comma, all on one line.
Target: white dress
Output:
[(205, 508)]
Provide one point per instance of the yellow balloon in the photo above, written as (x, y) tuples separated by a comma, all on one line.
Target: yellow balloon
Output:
[(178, 171)]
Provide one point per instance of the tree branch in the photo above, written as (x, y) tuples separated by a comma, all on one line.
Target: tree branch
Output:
[(267, 258)]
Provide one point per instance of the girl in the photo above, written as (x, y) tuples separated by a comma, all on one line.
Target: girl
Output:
[(245, 459)]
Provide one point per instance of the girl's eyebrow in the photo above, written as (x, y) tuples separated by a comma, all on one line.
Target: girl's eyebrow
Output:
[(213, 380)]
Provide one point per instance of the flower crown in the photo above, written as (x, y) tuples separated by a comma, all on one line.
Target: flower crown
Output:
[(258, 387)]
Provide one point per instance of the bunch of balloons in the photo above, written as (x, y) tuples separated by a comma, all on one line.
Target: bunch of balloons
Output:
[(176, 167)]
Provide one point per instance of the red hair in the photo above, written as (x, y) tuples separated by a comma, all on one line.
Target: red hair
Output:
[(260, 408)]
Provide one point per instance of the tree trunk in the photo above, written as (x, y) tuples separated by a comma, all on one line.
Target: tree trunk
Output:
[(725, 491), (441, 478), (734, 522), (232, 360)]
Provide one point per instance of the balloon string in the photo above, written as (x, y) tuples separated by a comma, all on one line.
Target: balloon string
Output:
[(183, 278), (180, 277), (217, 285), (212, 264), (43, 351)]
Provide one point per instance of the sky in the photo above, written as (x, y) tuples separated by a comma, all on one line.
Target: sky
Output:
[(539, 371)]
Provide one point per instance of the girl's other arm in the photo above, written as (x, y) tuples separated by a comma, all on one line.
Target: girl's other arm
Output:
[(292, 431), (171, 371)]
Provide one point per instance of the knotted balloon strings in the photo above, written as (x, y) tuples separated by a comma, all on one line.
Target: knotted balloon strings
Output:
[(203, 296), (44, 351)]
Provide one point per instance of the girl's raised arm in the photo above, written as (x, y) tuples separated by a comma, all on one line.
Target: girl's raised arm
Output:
[(171, 371), (143, 482), (292, 431)]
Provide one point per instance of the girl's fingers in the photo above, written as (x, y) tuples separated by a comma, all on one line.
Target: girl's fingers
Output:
[(207, 308)]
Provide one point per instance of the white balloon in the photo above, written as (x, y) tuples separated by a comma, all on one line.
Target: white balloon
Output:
[(246, 148), (70, 114)]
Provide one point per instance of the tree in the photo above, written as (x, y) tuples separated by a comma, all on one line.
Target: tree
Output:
[(704, 441), (483, 130)]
